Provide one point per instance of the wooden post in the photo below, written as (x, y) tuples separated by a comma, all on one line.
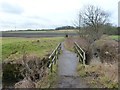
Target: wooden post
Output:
[(80, 53), (51, 64), (77, 54), (60, 45), (51, 68), (59, 50), (74, 48), (55, 60), (79, 59), (57, 54)]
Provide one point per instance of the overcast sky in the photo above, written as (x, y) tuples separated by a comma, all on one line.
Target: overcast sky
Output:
[(119, 14), (41, 14)]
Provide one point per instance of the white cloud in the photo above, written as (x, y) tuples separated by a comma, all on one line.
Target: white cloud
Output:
[(47, 13), (11, 8)]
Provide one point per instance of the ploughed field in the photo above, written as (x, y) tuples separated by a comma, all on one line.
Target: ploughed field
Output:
[(55, 33), (48, 31)]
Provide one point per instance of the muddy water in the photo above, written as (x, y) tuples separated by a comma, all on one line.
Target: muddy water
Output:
[(8, 84), (67, 64)]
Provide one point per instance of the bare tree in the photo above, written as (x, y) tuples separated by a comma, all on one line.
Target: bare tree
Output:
[(91, 22)]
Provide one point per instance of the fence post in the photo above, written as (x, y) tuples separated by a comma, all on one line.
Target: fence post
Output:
[(74, 48), (54, 56), (77, 54), (80, 53), (79, 59), (59, 50), (51, 67), (51, 64)]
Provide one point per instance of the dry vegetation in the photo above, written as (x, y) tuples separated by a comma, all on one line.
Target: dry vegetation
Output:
[(69, 43), (28, 71), (36, 73), (29, 65), (108, 50), (102, 74)]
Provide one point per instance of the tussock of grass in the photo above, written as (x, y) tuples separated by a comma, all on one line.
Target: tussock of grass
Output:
[(79, 67), (81, 70), (109, 70), (50, 79), (102, 73), (93, 82), (106, 81), (82, 73)]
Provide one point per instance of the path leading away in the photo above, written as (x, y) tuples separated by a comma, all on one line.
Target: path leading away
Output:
[(67, 64)]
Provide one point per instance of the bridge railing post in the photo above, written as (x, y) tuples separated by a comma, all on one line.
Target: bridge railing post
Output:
[(80, 53), (54, 56)]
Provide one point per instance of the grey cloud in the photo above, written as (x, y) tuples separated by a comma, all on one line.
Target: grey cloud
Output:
[(39, 18), (119, 14), (11, 8), (7, 24), (31, 25)]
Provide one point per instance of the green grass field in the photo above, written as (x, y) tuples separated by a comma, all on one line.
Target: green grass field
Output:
[(13, 47), (55, 31), (116, 37)]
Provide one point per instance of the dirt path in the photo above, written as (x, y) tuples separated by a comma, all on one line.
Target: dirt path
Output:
[(67, 64)]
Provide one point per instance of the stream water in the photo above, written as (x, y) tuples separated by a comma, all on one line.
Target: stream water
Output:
[(8, 84)]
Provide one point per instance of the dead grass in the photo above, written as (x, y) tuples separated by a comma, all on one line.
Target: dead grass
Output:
[(100, 75), (108, 50), (69, 43), (49, 81), (81, 70), (109, 70)]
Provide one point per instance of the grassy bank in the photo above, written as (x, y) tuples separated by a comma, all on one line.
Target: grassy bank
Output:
[(49, 81), (13, 47), (99, 75), (116, 37), (37, 52)]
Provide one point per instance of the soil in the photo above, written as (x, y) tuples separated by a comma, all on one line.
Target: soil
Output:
[(68, 77), (36, 34)]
